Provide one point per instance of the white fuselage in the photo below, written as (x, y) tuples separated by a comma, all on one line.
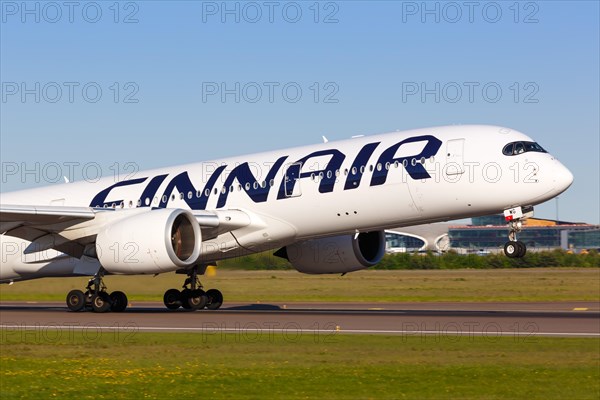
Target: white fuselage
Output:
[(362, 184)]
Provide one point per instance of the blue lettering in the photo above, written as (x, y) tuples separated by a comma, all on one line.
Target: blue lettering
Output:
[(257, 191), (100, 199), (183, 184), (416, 171), (328, 174), (358, 166)]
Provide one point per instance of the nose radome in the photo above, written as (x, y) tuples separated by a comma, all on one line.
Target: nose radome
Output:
[(563, 178)]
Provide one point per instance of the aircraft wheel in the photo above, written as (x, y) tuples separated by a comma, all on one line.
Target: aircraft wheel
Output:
[(215, 299), (100, 302), (197, 299), (522, 249), (118, 301), (185, 294), (75, 300), (172, 299), (511, 249)]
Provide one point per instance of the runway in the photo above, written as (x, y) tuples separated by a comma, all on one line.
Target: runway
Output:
[(490, 320)]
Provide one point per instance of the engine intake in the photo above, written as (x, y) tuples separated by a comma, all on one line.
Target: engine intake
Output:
[(337, 254), (152, 242)]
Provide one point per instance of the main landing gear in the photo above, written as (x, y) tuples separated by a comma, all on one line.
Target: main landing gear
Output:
[(515, 248), (192, 297), (96, 298)]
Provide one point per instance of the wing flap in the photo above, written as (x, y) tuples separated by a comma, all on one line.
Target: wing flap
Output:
[(12, 216)]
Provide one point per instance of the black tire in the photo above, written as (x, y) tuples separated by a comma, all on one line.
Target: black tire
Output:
[(88, 300), (100, 302), (197, 299), (215, 299), (172, 299), (522, 249), (185, 294), (118, 301), (75, 300), (511, 249)]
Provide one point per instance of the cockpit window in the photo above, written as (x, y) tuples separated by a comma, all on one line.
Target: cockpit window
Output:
[(519, 148), (515, 148)]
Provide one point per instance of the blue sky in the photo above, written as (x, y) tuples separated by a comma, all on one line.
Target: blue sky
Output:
[(141, 82)]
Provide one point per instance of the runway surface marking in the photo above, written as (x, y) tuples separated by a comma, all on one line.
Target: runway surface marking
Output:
[(520, 320), (293, 331)]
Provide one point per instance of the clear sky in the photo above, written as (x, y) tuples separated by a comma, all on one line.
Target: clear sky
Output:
[(157, 83)]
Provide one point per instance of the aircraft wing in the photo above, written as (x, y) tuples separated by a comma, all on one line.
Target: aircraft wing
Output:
[(13, 216), (69, 229)]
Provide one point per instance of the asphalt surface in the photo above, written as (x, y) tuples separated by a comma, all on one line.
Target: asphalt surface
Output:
[(490, 320)]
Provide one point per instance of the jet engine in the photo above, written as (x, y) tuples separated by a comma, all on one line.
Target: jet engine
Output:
[(152, 242), (337, 254)]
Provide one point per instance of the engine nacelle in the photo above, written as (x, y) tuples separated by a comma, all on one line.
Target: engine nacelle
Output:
[(337, 254), (152, 242)]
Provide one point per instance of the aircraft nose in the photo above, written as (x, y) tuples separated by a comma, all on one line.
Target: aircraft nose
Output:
[(563, 178)]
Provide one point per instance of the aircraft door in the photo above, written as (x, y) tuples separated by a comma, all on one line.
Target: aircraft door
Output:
[(454, 157)]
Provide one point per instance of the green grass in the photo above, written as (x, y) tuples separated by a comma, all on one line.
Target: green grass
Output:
[(231, 366), (531, 284)]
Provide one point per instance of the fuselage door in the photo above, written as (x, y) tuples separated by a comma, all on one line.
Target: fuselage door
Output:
[(292, 180), (454, 157)]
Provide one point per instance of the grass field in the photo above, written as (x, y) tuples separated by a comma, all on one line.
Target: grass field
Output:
[(178, 365), (535, 284)]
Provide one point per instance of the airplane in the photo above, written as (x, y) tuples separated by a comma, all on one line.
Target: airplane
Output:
[(324, 207)]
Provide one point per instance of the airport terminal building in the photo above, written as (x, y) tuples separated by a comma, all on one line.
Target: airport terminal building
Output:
[(489, 233)]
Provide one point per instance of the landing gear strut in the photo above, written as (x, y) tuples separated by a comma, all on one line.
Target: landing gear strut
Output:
[(96, 297), (193, 297), (515, 248)]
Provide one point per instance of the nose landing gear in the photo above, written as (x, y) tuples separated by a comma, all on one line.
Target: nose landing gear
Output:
[(515, 248)]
